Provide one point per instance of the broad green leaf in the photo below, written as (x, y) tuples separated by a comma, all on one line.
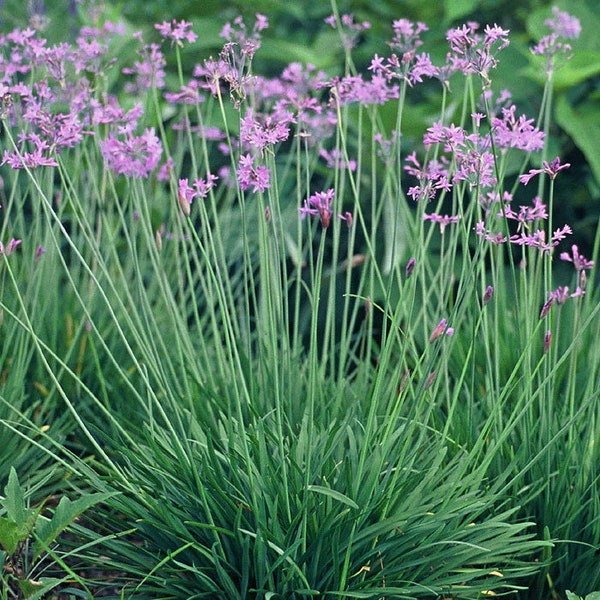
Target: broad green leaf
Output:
[(582, 123), (15, 499), (275, 49), (333, 494), (33, 590), (593, 596), (47, 530), (455, 9), (11, 533), (572, 596), (581, 67)]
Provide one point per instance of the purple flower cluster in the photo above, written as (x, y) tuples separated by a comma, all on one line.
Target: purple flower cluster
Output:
[(58, 106), (252, 175), (348, 28), (472, 52), (319, 205), (128, 154), (176, 32), (199, 189), (553, 48)]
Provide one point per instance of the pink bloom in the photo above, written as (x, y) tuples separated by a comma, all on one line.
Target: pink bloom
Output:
[(185, 195), (177, 32), (347, 216), (563, 24), (494, 238), (319, 205), (441, 329), (579, 261), (551, 169), (9, 248), (133, 156), (442, 220), (149, 71), (250, 175), (31, 160), (335, 160)]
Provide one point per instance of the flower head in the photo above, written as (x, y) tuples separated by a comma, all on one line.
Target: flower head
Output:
[(249, 174), (176, 32), (579, 261), (563, 24), (319, 205), (551, 169), (132, 155)]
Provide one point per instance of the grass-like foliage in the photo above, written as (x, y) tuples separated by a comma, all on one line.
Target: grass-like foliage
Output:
[(278, 348)]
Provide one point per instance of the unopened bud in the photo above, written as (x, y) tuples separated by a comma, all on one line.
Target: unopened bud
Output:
[(489, 291), (185, 205), (546, 308), (430, 379), (438, 331), (410, 266), (547, 340)]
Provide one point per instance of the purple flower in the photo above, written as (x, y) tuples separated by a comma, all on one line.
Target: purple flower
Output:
[(40, 250), (185, 195), (473, 53), (348, 217), (261, 131), (526, 214), (335, 160), (250, 175), (350, 30), (149, 71), (579, 261), (31, 160), (538, 238), (442, 220), (551, 47), (319, 205), (551, 169), (132, 156), (441, 329), (512, 132), (563, 24), (407, 35), (177, 32), (10, 247), (494, 238), (241, 44)]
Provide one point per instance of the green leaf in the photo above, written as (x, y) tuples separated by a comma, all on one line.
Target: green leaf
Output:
[(455, 9), (572, 596), (581, 67), (47, 530), (582, 123), (593, 596), (32, 590), (15, 499), (333, 494), (11, 534)]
